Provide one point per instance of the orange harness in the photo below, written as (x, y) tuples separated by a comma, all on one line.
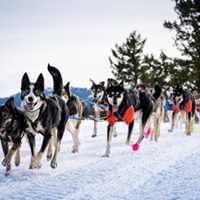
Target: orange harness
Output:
[(175, 108), (188, 106), (127, 117)]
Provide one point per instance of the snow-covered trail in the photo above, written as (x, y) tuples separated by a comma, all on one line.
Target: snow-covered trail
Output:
[(169, 169)]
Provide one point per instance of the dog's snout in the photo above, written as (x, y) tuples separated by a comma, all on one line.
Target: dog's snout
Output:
[(115, 101), (30, 99)]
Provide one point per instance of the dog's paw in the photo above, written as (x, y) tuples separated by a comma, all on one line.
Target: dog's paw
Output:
[(94, 135), (35, 165), (17, 162), (75, 151), (135, 147), (49, 156), (8, 170), (170, 130), (105, 156), (53, 164), (6, 161)]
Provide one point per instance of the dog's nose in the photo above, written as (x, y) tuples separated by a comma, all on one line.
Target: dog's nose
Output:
[(30, 99)]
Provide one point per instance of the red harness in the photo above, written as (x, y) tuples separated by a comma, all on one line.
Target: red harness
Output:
[(175, 108), (188, 106), (127, 117)]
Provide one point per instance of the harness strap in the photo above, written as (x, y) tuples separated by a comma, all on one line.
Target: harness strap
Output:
[(127, 117)]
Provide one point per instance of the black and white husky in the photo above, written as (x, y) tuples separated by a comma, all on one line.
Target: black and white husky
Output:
[(123, 104), (100, 102), (44, 114), (99, 96)]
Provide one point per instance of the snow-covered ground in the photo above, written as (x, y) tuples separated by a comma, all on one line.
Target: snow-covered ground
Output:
[(167, 170)]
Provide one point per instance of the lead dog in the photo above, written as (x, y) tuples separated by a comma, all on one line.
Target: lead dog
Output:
[(12, 128), (100, 101), (44, 114)]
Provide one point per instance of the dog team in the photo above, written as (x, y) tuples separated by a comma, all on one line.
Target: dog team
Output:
[(49, 115)]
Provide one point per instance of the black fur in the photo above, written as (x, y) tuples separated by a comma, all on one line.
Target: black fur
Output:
[(50, 111), (12, 128), (73, 101), (181, 97), (141, 101)]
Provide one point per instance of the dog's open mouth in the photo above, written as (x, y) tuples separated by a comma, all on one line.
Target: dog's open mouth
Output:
[(30, 106), (115, 108), (2, 130)]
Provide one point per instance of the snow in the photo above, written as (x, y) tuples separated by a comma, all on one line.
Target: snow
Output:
[(167, 170)]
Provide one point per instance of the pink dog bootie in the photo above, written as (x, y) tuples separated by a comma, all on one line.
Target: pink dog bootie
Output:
[(135, 147), (148, 131)]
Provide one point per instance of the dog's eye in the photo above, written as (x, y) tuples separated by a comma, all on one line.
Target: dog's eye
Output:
[(110, 95), (36, 92), (4, 115), (26, 91)]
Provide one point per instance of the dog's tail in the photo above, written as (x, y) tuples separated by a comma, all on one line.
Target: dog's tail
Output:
[(57, 80), (157, 92)]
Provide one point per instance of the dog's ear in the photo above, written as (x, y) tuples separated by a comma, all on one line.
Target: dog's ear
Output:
[(102, 83), (40, 82), (10, 102), (121, 84), (143, 87), (25, 81), (110, 82), (93, 83), (66, 87)]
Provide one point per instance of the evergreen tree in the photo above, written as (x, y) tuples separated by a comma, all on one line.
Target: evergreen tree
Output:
[(129, 57), (187, 39), (157, 70)]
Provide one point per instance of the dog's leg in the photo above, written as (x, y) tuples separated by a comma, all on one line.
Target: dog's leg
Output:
[(80, 113), (152, 125), (114, 131), (130, 130), (143, 120), (156, 129), (60, 132), (53, 138), (174, 116), (76, 141), (17, 157), (109, 138), (31, 142), (71, 127), (10, 154), (37, 161), (5, 149), (96, 117), (189, 123)]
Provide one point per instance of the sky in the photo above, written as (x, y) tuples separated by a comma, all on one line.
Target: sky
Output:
[(75, 36)]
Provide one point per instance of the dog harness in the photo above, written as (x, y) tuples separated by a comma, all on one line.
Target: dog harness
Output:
[(188, 106), (175, 108), (127, 117)]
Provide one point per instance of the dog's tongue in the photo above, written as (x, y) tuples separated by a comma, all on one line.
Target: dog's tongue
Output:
[(115, 108), (29, 106), (2, 130)]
